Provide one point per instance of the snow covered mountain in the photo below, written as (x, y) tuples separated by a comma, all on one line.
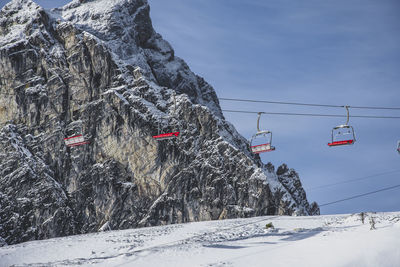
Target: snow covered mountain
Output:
[(99, 69), (359, 240)]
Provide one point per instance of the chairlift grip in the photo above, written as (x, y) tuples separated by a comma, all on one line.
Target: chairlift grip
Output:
[(348, 114), (258, 122)]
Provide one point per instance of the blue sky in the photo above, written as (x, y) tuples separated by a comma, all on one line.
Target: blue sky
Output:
[(331, 52)]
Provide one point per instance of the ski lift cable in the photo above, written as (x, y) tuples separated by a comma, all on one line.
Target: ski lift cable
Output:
[(80, 108), (311, 114), (360, 195), (352, 180), (304, 104), (72, 87), (278, 102), (72, 100)]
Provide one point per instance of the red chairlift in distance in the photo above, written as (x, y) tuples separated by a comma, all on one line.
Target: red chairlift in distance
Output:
[(76, 140), (342, 130), (164, 136), (264, 146), (170, 135)]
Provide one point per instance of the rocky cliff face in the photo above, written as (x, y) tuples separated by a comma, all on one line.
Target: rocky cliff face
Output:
[(99, 69)]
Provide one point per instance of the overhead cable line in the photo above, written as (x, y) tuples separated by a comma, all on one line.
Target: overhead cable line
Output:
[(353, 180), (310, 114), (303, 104), (361, 195)]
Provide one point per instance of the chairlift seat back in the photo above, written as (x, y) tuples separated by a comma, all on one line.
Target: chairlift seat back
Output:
[(342, 127), (263, 133)]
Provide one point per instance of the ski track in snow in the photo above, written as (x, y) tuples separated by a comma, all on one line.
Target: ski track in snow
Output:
[(330, 240)]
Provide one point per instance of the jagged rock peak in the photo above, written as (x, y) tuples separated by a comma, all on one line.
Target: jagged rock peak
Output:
[(15, 16), (125, 26)]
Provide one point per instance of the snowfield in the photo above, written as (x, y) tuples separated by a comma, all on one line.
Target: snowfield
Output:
[(330, 240)]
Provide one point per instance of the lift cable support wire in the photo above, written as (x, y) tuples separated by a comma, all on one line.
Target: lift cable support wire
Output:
[(311, 114), (304, 104), (361, 195), (352, 180)]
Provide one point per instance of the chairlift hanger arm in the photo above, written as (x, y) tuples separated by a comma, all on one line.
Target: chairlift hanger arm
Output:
[(258, 121), (267, 135)]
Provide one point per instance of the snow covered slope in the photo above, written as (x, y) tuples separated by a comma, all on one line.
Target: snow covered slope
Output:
[(334, 240)]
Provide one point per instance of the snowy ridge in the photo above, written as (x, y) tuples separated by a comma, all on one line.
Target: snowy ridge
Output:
[(368, 240), (125, 27), (17, 31)]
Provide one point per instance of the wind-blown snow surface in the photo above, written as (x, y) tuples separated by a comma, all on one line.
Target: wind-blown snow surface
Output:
[(333, 240)]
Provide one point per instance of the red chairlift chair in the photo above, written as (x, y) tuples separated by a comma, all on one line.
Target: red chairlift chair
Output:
[(339, 131), (168, 135), (164, 136), (265, 146), (76, 140)]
